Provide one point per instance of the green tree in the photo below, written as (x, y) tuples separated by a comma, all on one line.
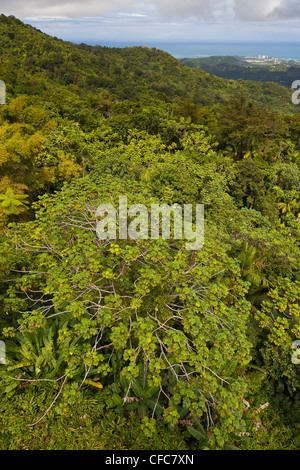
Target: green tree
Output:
[(13, 204), (243, 127), (127, 307)]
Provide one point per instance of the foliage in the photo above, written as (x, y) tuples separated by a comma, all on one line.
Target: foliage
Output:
[(124, 307), (235, 68), (11, 203), (157, 346)]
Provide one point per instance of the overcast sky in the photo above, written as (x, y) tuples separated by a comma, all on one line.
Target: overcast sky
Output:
[(161, 20)]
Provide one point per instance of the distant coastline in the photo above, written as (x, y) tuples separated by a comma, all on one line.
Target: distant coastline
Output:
[(287, 51)]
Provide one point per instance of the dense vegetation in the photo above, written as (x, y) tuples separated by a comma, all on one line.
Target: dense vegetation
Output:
[(236, 68), (142, 344)]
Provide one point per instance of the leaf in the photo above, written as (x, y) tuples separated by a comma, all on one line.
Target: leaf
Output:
[(19, 366), (12, 204), (14, 384), (117, 399), (138, 388), (150, 392), (142, 409), (153, 404), (197, 434), (94, 384), (115, 388)]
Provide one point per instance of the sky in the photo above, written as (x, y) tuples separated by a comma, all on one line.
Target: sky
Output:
[(161, 21)]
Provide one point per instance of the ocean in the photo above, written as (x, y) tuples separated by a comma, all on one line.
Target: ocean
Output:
[(283, 50)]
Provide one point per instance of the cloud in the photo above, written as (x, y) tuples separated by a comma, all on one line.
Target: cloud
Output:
[(220, 10), (247, 10), (268, 10), (202, 9), (63, 8)]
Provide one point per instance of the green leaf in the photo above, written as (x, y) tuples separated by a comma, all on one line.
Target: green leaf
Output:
[(197, 434), (117, 399)]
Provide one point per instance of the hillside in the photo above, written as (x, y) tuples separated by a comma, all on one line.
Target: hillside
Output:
[(118, 339), (234, 68), (32, 62)]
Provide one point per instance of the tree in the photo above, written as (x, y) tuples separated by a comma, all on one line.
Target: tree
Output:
[(13, 204), (244, 127), (132, 309)]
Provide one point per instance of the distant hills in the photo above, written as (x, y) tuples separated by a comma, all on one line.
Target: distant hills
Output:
[(234, 68), (35, 63)]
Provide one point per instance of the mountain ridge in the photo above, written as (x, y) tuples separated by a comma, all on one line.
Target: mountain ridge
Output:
[(234, 68), (30, 59)]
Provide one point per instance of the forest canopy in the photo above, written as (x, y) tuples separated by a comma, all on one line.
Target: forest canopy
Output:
[(184, 349)]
